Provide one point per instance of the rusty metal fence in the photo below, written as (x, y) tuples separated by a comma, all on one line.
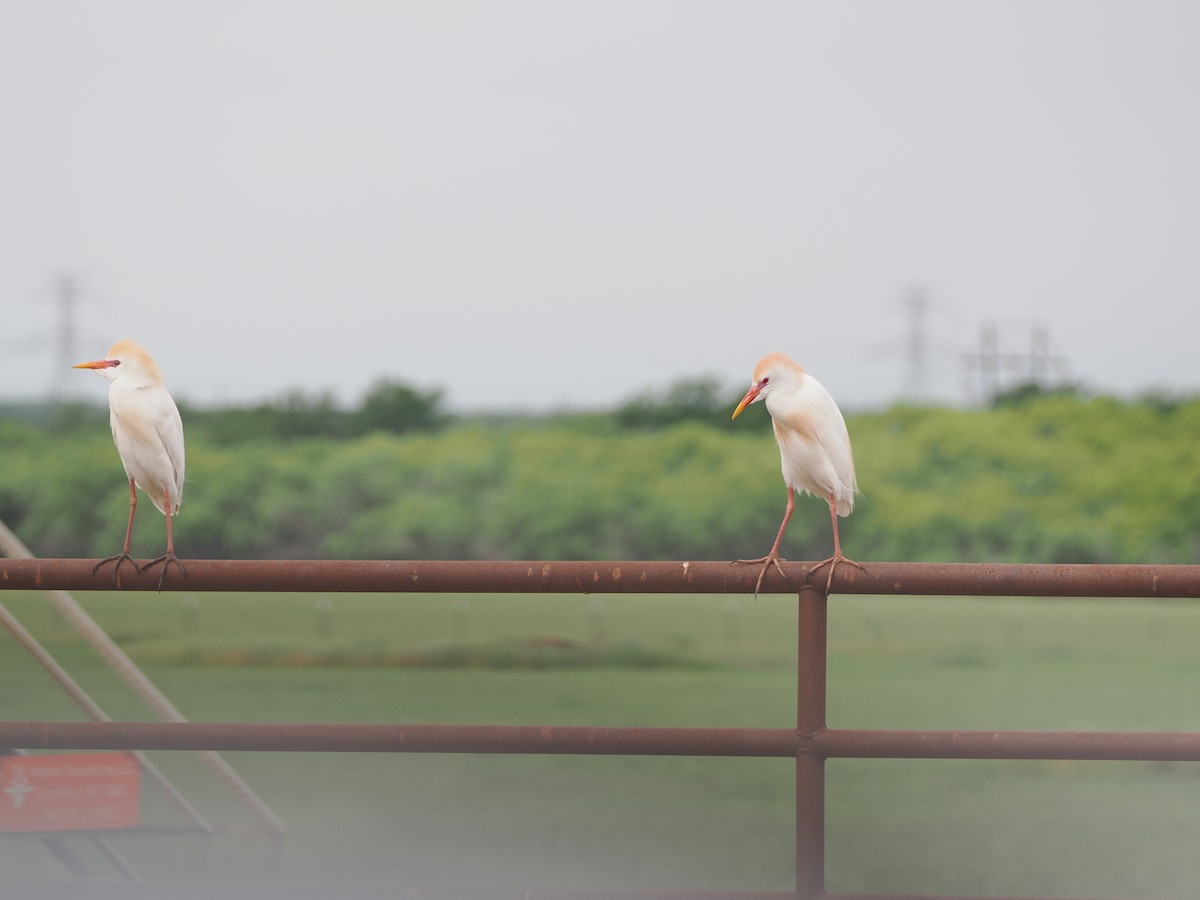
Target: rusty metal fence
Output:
[(810, 743)]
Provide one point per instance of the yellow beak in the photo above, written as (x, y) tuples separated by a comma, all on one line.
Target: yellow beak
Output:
[(747, 400)]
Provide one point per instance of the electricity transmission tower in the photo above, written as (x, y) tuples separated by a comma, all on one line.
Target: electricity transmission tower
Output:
[(66, 293), (916, 377), (996, 365)]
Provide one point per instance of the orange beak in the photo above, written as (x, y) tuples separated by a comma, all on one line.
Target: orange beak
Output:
[(96, 364), (748, 399)]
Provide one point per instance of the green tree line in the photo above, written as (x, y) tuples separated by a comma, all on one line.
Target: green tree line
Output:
[(1060, 478)]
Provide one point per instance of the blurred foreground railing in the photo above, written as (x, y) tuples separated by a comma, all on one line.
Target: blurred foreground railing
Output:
[(607, 741), (810, 743)]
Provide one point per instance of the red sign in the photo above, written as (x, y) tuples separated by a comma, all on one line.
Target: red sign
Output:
[(68, 791)]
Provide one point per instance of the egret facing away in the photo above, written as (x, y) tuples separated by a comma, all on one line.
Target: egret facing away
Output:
[(149, 436), (814, 448)]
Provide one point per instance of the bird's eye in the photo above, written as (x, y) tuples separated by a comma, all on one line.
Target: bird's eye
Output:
[(765, 380), (116, 362)]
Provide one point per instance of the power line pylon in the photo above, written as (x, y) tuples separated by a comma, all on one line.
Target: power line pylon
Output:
[(994, 367), (65, 294), (916, 377)]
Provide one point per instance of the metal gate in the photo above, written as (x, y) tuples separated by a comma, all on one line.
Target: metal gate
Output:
[(810, 743)]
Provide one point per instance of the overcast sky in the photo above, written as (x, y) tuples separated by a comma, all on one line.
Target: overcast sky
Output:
[(549, 204)]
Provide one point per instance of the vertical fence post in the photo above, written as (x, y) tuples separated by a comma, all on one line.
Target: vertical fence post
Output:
[(810, 766)]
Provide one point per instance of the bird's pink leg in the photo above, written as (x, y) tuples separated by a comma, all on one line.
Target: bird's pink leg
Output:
[(773, 556), (837, 548), (124, 554), (169, 557)]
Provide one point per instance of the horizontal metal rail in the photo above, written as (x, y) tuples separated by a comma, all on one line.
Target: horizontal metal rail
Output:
[(779, 742), (92, 890), (476, 576), (826, 743), (220, 890)]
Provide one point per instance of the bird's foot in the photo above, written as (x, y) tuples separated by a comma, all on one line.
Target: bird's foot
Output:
[(166, 559), (766, 561), (119, 558), (832, 562)]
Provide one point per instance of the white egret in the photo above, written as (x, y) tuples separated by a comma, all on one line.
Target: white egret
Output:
[(149, 436), (814, 449)]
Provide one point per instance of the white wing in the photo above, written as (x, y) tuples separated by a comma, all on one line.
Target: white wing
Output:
[(148, 433), (814, 443), (170, 430)]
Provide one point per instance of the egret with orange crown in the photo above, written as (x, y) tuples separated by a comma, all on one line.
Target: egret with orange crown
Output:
[(814, 449), (149, 436)]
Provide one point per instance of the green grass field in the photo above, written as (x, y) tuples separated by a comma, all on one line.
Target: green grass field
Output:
[(1077, 829)]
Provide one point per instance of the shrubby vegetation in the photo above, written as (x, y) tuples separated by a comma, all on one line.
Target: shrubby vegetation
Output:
[(689, 400), (1059, 478), (389, 406)]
